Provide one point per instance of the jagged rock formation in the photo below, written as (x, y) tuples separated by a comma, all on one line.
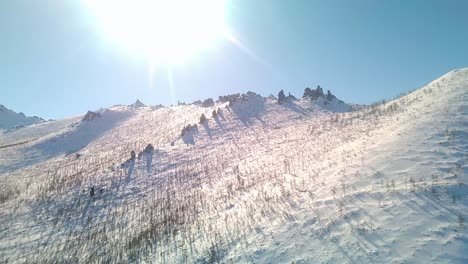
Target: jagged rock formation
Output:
[(313, 94), (231, 98), (281, 97), (330, 96), (90, 115), (208, 102), (137, 104)]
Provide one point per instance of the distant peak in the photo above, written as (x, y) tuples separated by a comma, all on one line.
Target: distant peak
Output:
[(137, 104), (11, 119)]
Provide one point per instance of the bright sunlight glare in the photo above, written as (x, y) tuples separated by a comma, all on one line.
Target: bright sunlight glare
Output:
[(165, 31)]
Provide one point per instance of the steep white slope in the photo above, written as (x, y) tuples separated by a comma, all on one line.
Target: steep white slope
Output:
[(402, 197), (259, 183), (10, 119)]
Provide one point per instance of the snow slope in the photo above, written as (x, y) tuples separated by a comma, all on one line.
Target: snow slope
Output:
[(300, 182), (401, 198), (34, 131), (10, 119)]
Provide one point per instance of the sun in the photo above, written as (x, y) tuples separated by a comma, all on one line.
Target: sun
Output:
[(165, 31)]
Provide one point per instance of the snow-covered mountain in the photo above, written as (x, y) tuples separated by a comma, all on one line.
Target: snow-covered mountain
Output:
[(10, 119), (302, 181)]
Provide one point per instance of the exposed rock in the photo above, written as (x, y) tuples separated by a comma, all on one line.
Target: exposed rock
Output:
[(188, 128), (308, 93), (281, 97), (90, 115), (291, 97), (231, 98), (202, 118), (208, 102), (313, 94), (156, 107), (137, 104), (330, 96)]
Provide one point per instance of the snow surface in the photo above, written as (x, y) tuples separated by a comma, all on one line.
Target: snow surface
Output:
[(34, 131), (300, 182)]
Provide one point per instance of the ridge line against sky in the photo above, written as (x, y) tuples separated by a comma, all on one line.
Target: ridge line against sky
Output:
[(56, 62)]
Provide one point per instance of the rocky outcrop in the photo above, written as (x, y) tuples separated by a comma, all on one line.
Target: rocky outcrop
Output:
[(313, 94), (90, 115), (281, 97), (208, 103), (137, 104)]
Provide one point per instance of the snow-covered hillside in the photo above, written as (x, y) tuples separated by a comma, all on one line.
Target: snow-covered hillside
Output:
[(10, 119), (304, 181)]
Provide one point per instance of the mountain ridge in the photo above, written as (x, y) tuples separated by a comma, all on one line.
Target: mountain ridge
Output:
[(9, 119), (257, 181)]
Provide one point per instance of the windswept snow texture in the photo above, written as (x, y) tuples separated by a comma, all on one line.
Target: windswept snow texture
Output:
[(11, 120), (260, 182)]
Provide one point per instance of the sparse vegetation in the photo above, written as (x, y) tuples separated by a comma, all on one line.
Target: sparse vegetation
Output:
[(311, 174)]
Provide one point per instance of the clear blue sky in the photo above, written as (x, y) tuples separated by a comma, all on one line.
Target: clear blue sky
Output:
[(55, 62)]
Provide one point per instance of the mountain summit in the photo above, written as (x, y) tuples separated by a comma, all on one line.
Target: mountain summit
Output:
[(137, 104)]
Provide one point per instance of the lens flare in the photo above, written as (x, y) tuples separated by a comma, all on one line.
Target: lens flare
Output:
[(165, 31)]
